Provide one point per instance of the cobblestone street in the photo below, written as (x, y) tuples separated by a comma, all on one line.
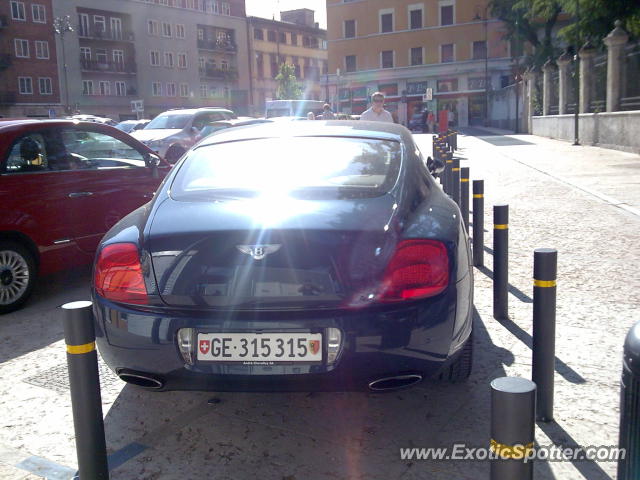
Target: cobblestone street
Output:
[(582, 201)]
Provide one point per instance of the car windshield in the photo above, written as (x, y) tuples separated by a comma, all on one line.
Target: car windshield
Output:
[(300, 165), (174, 121)]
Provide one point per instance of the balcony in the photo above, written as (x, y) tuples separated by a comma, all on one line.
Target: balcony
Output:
[(211, 73), (5, 61), (113, 36), (107, 66), (7, 98), (218, 45)]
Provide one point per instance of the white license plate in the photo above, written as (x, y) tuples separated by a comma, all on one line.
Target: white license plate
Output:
[(260, 347)]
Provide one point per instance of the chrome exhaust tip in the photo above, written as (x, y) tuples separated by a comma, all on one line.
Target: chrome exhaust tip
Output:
[(394, 383), (141, 379)]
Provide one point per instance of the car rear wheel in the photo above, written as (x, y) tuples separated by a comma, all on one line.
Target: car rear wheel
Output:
[(174, 153), (17, 275), (460, 369)]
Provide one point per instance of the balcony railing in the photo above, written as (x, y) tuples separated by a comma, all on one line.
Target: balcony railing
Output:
[(111, 35), (5, 60), (210, 73), (218, 45), (107, 66), (7, 98)]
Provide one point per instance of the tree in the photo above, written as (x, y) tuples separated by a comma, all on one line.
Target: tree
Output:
[(288, 86), (597, 19)]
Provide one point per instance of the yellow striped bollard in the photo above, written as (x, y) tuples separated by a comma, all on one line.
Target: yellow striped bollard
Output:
[(478, 223), (500, 261), (464, 197)]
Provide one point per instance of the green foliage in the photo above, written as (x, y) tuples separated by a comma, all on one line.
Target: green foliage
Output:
[(288, 86), (597, 19)]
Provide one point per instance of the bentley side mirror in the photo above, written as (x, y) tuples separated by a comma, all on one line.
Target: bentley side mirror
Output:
[(436, 167), (152, 161)]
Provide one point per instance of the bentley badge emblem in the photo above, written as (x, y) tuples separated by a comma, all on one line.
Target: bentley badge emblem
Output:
[(258, 252)]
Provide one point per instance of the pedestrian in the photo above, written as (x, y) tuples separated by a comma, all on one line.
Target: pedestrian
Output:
[(377, 113), (431, 121), (451, 117), (311, 116), (423, 120), (327, 114)]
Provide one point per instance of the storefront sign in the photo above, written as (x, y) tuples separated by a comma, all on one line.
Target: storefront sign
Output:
[(417, 88)]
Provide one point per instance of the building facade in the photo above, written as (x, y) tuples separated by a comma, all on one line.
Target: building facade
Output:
[(433, 54), (295, 40), (29, 84)]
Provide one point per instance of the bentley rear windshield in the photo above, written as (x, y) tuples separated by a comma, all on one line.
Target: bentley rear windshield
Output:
[(301, 166)]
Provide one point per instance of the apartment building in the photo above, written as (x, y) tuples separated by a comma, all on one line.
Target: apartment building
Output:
[(29, 83), (296, 40), (433, 54), (167, 53)]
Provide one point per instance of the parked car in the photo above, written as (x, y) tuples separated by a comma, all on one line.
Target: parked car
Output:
[(322, 256), (92, 118), (131, 125), (174, 132), (63, 184), (214, 127)]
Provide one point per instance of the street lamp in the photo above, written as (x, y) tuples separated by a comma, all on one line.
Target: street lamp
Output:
[(62, 25), (576, 74)]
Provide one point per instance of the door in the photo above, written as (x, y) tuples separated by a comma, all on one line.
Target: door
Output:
[(84, 25), (116, 28)]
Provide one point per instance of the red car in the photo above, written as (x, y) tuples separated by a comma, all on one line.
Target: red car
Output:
[(63, 184)]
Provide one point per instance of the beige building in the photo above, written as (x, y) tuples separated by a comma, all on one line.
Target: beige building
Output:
[(422, 54), (296, 40)]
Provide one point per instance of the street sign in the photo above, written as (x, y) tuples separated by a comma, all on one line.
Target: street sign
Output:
[(428, 96), (137, 106)]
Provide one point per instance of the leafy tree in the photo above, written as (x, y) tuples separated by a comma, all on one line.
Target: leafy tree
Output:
[(288, 86), (597, 19)]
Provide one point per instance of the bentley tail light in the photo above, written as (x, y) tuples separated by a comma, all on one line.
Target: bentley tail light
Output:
[(118, 274), (418, 269)]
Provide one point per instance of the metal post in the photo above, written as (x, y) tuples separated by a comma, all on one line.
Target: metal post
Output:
[(455, 180), (500, 261), (86, 403), (544, 329), (629, 466), (449, 172), (576, 117), (434, 144), (513, 405), (478, 223), (464, 197)]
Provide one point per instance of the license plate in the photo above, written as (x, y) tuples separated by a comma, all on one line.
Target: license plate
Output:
[(260, 347)]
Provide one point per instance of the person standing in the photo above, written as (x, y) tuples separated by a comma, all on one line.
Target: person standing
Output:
[(377, 113), (431, 121), (327, 114)]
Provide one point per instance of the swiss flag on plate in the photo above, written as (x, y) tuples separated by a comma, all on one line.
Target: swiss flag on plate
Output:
[(204, 346)]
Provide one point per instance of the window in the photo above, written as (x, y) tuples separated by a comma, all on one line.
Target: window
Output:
[(387, 59), (99, 23), (201, 62), (87, 87), (118, 57), (116, 28), (200, 34), (182, 60), (259, 65), (104, 87), (446, 15), (168, 59), (446, 53), (155, 58), (25, 86), (101, 55), (166, 29), (42, 49), (184, 90), (258, 34), (152, 27), (415, 19), (156, 89), (180, 31), (479, 50), (121, 89), (386, 22), (283, 37), (476, 83), (171, 89), (18, 13), (203, 90), (416, 56), (350, 63), (84, 28), (448, 85), (226, 9), (294, 39), (38, 13), (85, 53), (349, 29), (22, 47), (271, 35), (96, 151)]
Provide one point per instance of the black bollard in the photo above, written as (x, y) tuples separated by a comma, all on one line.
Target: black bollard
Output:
[(500, 261), (455, 140), (455, 180), (629, 466), (545, 262), (449, 170), (478, 223), (84, 383), (464, 197), (513, 405), (434, 143)]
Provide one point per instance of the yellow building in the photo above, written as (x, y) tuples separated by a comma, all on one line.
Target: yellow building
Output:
[(422, 54), (295, 40)]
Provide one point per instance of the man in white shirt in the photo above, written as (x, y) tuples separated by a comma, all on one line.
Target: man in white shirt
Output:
[(377, 113)]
